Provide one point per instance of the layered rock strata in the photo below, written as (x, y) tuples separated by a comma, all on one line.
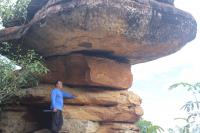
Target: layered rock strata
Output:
[(85, 96), (81, 70), (90, 45), (93, 111), (138, 30), (17, 121)]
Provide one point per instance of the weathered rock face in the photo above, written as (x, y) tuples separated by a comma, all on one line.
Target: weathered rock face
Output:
[(80, 126), (118, 128), (19, 121), (83, 126), (81, 70), (92, 104), (90, 45), (85, 96), (104, 114), (137, 30), (92, 111)]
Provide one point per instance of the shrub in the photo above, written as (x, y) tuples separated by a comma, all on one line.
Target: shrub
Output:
[(13, 13), (148, 127), (12, 80)]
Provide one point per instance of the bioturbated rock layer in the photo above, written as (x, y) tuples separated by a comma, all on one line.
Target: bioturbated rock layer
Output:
[(138, 30), (90, 45)]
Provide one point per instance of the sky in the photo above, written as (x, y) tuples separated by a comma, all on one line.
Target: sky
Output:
[(151, 80)]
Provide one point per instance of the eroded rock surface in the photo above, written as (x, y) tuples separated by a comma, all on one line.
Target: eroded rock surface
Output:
[(17, 121), (83, 126), (139, 31), (92, 111), (81, 70), (92, 104), (91, 45), (118, 128), (124, 114), (84, 96)]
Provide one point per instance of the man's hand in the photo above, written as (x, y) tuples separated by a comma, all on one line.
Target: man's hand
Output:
[(54, 110)]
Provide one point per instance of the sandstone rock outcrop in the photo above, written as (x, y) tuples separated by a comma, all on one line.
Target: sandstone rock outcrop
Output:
[(82, 126), (81, 70), (85, 96), (137, 30), (118, 128), (92, 104), (17, 121), (93, 111), (104, 114), (90, 45), (78, 126)]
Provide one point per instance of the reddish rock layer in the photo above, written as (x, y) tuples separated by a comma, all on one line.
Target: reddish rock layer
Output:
[(81, 70)]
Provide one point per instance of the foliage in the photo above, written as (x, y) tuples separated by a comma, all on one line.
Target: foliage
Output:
[(7, 81), (11, 79), (13, 12), (192, 108), (179, 130), (148, 127)]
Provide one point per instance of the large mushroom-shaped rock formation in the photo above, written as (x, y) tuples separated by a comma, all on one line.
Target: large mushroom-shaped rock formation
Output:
[(137, 30), (90, 45)]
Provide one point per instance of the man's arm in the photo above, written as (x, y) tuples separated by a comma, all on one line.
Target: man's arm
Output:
[(67, 95), (53, 99)]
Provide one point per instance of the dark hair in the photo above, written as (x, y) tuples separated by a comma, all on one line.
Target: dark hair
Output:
[(57, 82)]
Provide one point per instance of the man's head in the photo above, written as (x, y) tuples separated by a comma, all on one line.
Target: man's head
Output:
[(59, 84)]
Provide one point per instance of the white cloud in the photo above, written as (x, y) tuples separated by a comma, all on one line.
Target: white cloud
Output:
[(152, 79)]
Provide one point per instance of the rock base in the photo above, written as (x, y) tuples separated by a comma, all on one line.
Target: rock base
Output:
[(92, 111), (17, 122)]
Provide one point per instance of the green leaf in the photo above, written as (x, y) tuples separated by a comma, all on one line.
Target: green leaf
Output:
[(12, 80)]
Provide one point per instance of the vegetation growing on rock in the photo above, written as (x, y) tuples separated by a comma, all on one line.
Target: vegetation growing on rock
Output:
[(148, 127), (13, 78)]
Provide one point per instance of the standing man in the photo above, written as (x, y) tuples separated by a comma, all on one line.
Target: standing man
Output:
[(57, 95)]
